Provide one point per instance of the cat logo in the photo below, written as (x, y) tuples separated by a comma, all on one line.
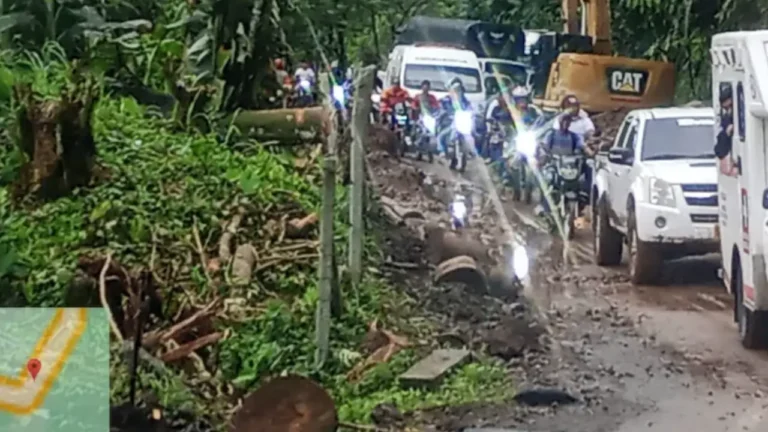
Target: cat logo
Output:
[(630, 82)]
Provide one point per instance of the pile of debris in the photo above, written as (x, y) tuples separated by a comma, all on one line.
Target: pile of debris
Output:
[(607, 125)]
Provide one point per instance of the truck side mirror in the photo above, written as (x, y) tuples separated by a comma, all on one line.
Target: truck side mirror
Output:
[(622, 156), (765, 199)]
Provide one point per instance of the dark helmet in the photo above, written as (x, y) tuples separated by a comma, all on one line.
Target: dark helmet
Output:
[(456, 84), (569, 101), (726, 92)]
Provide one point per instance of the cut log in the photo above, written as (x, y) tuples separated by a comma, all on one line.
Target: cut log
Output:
[(443, 245), (293, 124), (462, 269)]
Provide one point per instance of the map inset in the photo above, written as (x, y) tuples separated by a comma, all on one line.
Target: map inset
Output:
[(69, 351)]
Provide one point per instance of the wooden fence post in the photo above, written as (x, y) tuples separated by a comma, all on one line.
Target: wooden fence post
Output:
[(360, 121), (326, 270)]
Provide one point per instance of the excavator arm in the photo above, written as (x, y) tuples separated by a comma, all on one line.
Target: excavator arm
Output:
[(591, 18)]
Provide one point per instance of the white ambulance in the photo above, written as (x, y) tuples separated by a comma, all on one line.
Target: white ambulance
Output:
[(740, 93)]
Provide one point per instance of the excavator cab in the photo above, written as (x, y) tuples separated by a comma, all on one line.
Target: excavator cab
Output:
[(601, 81)]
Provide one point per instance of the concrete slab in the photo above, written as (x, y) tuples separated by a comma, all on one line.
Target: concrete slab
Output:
[(430, 370)]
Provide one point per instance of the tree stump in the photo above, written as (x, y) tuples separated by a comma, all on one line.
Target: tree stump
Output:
[(290, 403), (57, 138)]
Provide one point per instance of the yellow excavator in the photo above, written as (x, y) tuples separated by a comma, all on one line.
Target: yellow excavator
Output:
[(600, 80)]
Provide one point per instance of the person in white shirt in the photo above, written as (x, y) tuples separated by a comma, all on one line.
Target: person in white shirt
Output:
[(304, 72), (581, 124)]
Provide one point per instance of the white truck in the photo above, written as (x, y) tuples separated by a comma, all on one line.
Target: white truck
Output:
[(655, 190), (740, 93)]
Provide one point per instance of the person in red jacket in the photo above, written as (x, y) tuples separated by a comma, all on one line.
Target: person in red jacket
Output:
[(425, 99), (391, 97)]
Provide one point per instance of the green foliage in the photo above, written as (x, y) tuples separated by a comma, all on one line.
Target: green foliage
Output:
[(280, 340), (76, 25), (483, 381), (159, 182)]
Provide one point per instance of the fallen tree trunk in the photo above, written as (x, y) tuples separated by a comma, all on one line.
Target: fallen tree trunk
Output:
[(285, 125)]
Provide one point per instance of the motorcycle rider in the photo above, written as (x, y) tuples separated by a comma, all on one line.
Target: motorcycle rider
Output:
[(559, 142), (580, 122), (425, 100), (582, 125), (390, 97), (425, 103), (304, 78), (497, 115), (280, 73), (527, 113), (454, 101), (304, 72)]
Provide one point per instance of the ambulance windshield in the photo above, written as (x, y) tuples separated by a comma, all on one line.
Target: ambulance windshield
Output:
[(678, 138)]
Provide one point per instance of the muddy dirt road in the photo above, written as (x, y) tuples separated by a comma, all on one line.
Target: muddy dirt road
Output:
[(639, 358)]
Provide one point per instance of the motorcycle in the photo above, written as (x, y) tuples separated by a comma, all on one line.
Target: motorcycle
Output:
[(463, 122), (341, 103), (497, 135), (459, 213), (566, 188), (375, 107), (424, 137), (520, 175), (401, 122), (304, 96)]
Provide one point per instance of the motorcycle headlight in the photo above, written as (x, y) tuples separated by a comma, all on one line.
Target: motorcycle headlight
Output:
[(338, 94), (660, 193), (520, 262), (464, 122), (429, 123), (459, 210), (375, 98), (526, 143), (305, 84), (568, 171)]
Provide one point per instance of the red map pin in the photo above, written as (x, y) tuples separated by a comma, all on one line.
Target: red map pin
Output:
[(33, 367)]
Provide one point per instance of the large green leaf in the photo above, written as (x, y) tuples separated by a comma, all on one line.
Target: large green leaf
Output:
[(6, 84), (13, 20)]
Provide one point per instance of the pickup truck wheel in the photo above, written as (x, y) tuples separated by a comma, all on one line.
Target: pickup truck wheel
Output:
[(752, 325), (645, 263), (607, 241)]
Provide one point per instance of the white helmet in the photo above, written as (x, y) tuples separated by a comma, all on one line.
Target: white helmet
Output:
[(520, 92)]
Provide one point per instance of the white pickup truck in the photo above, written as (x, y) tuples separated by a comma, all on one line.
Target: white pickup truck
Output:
[(655, 190)]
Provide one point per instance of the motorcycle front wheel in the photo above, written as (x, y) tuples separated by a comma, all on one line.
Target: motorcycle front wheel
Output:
[(460, 154), (571, 209)]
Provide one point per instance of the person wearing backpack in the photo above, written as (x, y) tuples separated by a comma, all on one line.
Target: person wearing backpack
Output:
[(560, 141)]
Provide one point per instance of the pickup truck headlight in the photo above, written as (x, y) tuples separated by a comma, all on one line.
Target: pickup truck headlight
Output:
[(660, 193)]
